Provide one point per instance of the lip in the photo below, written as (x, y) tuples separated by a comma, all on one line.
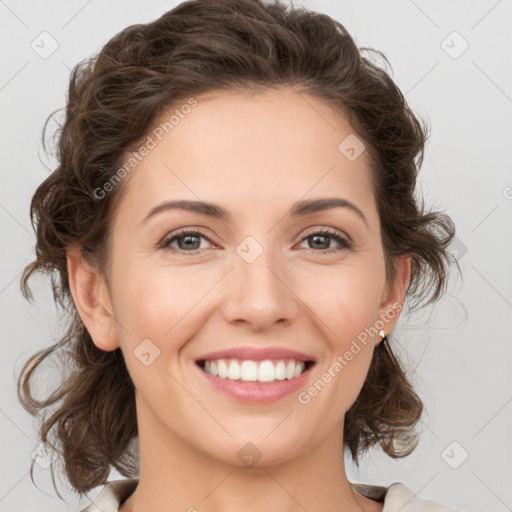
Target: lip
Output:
[(257, 392), (257, 354)]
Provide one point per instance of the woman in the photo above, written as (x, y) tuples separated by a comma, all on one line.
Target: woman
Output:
[(233, 231)]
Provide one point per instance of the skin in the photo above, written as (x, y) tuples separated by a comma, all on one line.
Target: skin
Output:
[(255, 155)]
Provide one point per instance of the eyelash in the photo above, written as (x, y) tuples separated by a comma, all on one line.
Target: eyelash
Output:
[(344, 242)]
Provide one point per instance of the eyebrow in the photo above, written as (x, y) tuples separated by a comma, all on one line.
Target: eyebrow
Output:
[(299, 209)]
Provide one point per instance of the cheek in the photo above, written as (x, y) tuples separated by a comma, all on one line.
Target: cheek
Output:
[(346, 299), (160, 302), (345, 310), (346, 305), (154, 312)]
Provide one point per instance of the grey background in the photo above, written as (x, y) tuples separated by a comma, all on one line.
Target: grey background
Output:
[(458, 352)]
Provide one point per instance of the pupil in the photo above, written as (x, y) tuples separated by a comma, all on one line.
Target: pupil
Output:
[(325, 245), (187, 243)]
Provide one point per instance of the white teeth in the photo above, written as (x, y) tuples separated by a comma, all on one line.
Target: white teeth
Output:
[(233, 370), (280, 371), (222, 369), (290, 370), (266, 371), (250, 371)]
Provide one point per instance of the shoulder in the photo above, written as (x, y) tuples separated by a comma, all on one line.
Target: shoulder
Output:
[(398, 497), (112, 495)]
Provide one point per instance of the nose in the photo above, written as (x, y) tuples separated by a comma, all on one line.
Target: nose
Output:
[(260, 293)]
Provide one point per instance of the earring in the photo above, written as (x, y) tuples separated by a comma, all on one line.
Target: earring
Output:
[(385, 343)]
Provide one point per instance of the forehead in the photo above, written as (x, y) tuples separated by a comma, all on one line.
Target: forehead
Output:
[(250, 150)]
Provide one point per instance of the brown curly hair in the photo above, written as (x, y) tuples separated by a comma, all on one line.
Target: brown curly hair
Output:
[(113, 100)]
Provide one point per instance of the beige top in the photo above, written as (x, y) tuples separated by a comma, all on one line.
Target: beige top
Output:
[(396, 497)]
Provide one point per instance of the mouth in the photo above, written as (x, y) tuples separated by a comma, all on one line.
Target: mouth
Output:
[(259, 371), (255, 382)]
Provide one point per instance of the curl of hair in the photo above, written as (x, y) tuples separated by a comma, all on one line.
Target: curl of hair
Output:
[(113, 101)]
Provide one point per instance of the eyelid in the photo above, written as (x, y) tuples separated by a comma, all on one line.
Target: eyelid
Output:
[(328, 230), (344, 241), (188, 230)]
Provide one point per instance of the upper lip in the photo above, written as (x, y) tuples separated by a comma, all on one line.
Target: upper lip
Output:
[(256, 354)]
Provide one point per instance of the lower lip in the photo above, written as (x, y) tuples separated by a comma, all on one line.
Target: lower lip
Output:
[(257, 392)]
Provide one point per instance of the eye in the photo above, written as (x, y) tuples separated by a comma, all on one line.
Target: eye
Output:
[(321, 240), (188, 240)]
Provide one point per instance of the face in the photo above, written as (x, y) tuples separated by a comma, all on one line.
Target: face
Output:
[(263, 275)]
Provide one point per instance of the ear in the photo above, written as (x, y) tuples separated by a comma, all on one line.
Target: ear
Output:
[(394, 295), (92, 300)]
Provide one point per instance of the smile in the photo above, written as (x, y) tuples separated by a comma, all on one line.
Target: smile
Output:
[(231, 374), (267, 370)]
